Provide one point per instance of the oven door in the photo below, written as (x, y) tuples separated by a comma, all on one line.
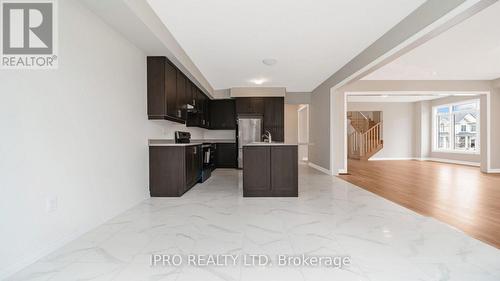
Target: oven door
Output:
[(207, 153)]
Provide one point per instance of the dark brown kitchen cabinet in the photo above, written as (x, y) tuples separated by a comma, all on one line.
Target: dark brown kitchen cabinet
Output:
[(193, 165), (250, 105), (284, 171), (162, 89), (202, 101), (222, 114), (270, 171), (226, 155), (173, 96), (271, 108), (173, 170), (182, 95), (274, 118), (206, 113), (257, 171)]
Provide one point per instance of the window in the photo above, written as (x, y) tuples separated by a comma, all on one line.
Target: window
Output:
[(456, 127)]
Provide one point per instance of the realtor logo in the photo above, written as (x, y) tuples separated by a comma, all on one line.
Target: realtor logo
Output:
[(28, 34)]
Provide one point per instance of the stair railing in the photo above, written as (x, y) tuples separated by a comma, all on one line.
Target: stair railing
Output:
[(359, 121), (363, 144)]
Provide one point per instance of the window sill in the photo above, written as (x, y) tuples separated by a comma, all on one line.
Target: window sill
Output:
[(458, 152)]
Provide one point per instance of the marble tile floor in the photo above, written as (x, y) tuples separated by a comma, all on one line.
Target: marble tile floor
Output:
[(330, 218)]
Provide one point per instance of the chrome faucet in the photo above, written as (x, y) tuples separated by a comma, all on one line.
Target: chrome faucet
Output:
[(268, 136)]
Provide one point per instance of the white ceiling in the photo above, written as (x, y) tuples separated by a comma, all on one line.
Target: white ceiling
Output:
[(468, 51), (311, 40)]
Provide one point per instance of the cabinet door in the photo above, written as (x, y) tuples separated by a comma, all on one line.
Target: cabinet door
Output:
[(256, 171), (225, 155), (274, 117), (253, 105), (166, 171), (201, 109), (171, 89), (156, 87), (206, 112), (181, 96), (284, 158), (222, 114), (193, 165)]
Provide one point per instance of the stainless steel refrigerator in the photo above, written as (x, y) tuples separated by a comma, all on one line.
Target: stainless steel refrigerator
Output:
[(249, 130)]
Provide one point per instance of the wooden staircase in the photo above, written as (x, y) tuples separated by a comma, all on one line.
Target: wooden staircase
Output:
[(366, 139)]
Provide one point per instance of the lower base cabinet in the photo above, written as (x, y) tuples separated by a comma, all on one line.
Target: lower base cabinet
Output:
[(173, 170), (226, 155), (270, 171)]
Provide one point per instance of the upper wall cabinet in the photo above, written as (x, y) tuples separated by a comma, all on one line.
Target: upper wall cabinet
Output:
[(172, 96), (272, 109), (162, 90), (182, 95), (250, 105), (274, 117), (222, 114)]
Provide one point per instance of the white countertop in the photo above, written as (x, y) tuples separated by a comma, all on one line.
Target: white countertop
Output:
[(270, 144), (171, 142)]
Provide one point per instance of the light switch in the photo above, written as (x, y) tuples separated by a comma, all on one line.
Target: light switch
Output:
[(51, 204)]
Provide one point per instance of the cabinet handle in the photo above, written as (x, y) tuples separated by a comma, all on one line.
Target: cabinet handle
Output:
[(194, 102), (195, 150)]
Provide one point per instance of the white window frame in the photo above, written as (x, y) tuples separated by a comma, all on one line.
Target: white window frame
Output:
[(435, 136)]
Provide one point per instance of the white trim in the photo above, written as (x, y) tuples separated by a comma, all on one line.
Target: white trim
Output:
[(344, 116), (457, 152), (391, 158), (493, 171), (488, 131), (332, 126), (466, 163), (319, 168)]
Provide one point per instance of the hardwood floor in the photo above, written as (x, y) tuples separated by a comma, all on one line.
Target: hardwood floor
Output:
[(458, 195)]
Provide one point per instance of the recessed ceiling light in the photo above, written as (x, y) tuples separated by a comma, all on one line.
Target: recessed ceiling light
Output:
[(258, 81), (385, 96), (269, 62)]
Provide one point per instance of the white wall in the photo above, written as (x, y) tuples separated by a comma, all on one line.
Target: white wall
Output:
[(319, 129), (298, 98), (291, 123), (78, 133), (398, 127)]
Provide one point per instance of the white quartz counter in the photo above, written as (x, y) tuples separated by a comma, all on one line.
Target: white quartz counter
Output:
[(270, 144), (171, 142)]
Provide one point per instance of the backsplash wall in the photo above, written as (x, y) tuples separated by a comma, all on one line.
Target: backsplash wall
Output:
[(164, 129)]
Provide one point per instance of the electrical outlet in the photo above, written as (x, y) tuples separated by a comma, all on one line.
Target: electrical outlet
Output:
[(51, 204)]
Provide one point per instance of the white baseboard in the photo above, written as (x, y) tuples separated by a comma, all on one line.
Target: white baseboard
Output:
[(52, 246), (493, 171), (390, 158), (475, 164), (342, 172), (319, 168)]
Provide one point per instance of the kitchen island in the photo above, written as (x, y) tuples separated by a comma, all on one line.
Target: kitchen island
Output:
[(270, 170)]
